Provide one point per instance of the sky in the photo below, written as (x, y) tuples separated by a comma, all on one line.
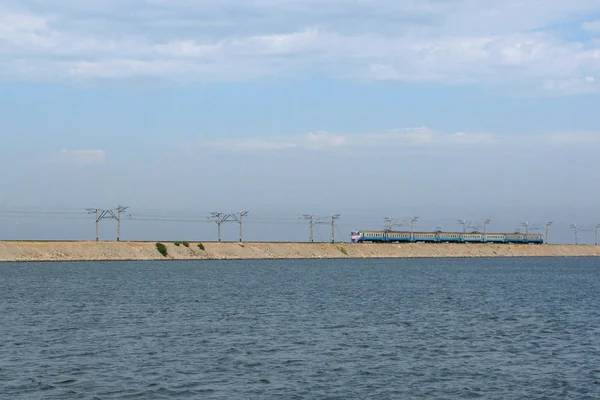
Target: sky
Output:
[(442, 109)]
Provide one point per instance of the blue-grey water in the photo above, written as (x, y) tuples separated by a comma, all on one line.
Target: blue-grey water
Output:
[(340, 329)]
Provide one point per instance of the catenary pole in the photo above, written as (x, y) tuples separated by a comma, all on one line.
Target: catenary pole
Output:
[(576, 230), (120, 209), (217, 216), (95, 212), (526, 225), (310, 219), (242, 215), (412, 227), (97, 229), (333, 218), (389, 222), (548, 223), (485, 223)]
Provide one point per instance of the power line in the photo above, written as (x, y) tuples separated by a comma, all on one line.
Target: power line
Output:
[(37, 216), (390, 222), (135, 218), (42, 213)]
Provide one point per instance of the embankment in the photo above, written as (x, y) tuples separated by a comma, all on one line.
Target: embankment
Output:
[(96, 251)]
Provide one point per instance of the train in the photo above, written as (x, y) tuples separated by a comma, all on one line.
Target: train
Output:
[(444, 237)]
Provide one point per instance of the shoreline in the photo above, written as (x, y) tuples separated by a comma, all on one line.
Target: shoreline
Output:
[(49, 251)]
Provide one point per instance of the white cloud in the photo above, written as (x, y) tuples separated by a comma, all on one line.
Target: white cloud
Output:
[(82, 156), (247, 144), (450, 42), (408, 138), (325, 140), (399, 140), (575, 138), (473, 138), (312, 141), (591, 26), (579, 85)]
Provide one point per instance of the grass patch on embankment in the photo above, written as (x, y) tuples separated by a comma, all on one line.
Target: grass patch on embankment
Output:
[(162, 249)]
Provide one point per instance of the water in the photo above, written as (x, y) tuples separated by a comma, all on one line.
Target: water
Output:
[(380, 329)]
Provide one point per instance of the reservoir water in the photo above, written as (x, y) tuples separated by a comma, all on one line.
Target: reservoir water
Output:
[(305, 329)]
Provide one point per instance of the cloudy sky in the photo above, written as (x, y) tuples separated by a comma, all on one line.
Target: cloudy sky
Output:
[(442, 109)]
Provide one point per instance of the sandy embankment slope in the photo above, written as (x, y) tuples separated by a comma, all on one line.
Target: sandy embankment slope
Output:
[(90, 251)]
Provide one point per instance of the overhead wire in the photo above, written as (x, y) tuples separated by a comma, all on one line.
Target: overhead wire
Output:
[(172, 216)]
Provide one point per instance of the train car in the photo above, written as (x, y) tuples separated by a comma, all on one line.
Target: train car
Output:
[(372, 236), (493, 238), (399, 237), (424, 237), (472, 237), (514, 238), (449, 237), (534, 238)]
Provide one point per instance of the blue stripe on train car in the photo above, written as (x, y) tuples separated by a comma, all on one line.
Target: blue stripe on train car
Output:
[(403, 239), (448, 239), (416, 238), (373, 238), (472, 240)]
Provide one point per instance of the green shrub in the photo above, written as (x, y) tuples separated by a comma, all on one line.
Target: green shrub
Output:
[(201, 246), (177, 243), (343, 250), (186, 244), (162, 249)]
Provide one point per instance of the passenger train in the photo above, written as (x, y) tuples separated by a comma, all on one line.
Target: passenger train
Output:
[(443, 237)]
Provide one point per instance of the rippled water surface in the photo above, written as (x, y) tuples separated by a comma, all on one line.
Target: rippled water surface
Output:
[(381, 329)]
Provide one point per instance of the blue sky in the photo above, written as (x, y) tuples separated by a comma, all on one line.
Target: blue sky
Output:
[(448, 110)]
